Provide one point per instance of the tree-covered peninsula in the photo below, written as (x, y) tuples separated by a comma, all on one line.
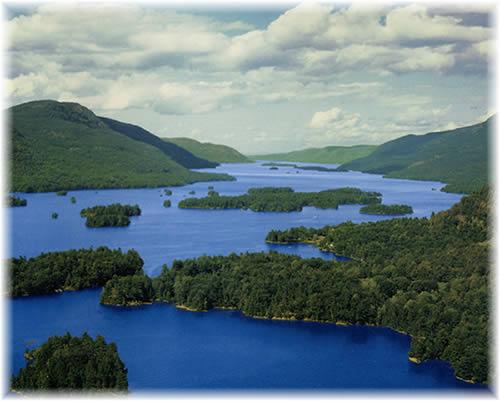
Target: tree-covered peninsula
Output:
[(115, 215), (282, 199), (14, 201), (427, 277), (71, 270), (69, 363), (386, 210), (128, 291)]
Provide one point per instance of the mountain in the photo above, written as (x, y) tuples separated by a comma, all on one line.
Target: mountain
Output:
[(59, 145), (177, 153), (328, 154), (210, 151), (458, 157)]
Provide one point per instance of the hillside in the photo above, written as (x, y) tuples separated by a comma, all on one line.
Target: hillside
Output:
[(209, 151), (66, 146), (328, 154), (457, 157), (177, 153)]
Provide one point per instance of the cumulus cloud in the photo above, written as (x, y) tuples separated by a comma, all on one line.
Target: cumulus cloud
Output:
[(118, 57)]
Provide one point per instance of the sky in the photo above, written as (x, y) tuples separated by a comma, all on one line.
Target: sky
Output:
[(261, 80)]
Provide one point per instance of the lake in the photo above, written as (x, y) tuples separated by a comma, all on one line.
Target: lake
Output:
[(166, 348)]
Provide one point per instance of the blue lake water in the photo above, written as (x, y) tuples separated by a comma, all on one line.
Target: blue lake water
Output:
[(166, 348)]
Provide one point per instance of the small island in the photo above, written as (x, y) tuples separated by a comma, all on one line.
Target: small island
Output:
[(167, 203), (115, 215), (168, 192), (14, 201), (71, 363), (55, 215), (70, 270), (128, 291), (73, 199), (274, 166), (282, 199), (386, 210), (61, 193)]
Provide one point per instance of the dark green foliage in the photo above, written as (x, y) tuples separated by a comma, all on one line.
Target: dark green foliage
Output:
[(210, 151), (429, 277), (73, 199), (458, 157), (55, 215), (192, 192), (61, 193), (282, 199), (114, 215), (168, 192), (72, 363), (64, 146), (14, 201), (71, 270), (388, 210), (176, 152), (274, 166), (167, 203), (328, 154), (128, 290)]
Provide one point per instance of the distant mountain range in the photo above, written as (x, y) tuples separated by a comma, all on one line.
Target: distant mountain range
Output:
[(58, 145), (62, 146), (458, 157), (210, 151), (328, 154)]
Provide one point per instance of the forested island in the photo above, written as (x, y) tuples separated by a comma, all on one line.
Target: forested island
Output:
[(282, 199), (61, 193), (70, 270), (311, 168), (114, 215), (14, 201), (386, 210), (71, 363)]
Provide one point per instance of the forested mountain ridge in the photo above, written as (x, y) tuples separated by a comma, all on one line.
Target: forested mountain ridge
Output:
[(327, 154), (58, 145), (210, 151), (178, 153), (458, 157)]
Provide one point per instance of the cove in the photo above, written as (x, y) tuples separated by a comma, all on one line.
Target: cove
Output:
[(166, 348)]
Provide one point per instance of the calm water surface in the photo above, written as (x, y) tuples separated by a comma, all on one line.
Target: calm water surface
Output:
[(166, 348)]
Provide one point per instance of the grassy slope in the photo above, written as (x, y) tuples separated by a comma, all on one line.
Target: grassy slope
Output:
[(328, 154), (181, 155), (458, 157), (65, 146), (210, 151)]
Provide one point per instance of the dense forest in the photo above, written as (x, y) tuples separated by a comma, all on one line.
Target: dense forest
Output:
[(62, 146), (71, 270), (114, 215), (14, 201), (72, 363), (128, 290), (388, 210), (282, 199), (328, 154), (425, 277), (458, 157)]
